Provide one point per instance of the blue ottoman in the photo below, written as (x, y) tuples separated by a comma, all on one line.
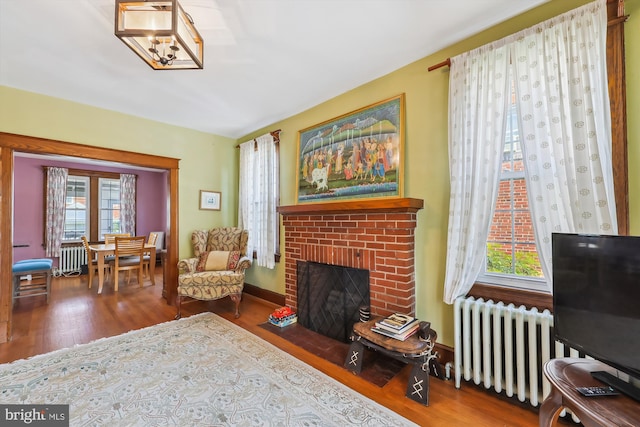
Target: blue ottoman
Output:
[(40, 270)]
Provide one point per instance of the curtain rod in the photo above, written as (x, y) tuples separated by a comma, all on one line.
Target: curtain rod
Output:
[(618, 16), (445, 63), (275, 134)]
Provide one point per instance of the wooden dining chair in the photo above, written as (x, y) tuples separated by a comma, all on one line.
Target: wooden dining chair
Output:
[(129, 255), (92, 262), (111, 237), (146, 259)]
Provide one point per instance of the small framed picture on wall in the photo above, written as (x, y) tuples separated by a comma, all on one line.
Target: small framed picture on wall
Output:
[(210, 200)]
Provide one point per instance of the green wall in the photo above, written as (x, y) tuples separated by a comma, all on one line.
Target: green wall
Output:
[(426, 159), (200, 153), (632, 56)]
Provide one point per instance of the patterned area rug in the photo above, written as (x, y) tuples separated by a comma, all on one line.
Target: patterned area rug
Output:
[(201, 370)]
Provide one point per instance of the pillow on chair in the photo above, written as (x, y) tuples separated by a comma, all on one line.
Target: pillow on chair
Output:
[(218, 260)]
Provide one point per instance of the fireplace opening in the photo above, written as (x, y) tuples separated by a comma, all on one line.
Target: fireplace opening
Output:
[(330, 297)]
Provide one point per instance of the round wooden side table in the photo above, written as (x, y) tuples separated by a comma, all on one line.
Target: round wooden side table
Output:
[(565, 375)]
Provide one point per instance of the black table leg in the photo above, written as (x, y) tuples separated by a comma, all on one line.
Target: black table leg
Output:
[(355, 355), (418, 384)]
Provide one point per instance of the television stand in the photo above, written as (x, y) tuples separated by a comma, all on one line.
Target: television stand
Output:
[(617, 383), (565, 375)]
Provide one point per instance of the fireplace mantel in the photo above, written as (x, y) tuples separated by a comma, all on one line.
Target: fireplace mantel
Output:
[(354, 206)]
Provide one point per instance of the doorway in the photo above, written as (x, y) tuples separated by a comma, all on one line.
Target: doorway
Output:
[(11, 143)]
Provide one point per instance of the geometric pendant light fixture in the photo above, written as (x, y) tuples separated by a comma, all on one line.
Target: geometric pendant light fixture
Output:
[(161, 33)]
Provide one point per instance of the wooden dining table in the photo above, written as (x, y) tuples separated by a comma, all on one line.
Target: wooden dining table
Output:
[(104, 250)]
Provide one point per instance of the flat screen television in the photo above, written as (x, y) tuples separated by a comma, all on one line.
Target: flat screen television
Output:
[(596, 301)]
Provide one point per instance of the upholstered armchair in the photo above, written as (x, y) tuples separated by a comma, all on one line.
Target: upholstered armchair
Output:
[(217, 268)]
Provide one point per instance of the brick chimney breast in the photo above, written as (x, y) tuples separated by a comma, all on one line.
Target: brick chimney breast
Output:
[(377, 235)]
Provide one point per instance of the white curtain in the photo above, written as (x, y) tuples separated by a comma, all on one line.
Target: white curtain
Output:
[(258, 197), (55, 211), (561, 93), (565, 125), (479, 90), (128, 203), (245, 188)]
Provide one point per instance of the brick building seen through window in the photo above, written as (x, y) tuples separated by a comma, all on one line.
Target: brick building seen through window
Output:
[(511, 248)]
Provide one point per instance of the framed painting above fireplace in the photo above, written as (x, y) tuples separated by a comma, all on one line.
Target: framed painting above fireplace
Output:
[(357, 155)]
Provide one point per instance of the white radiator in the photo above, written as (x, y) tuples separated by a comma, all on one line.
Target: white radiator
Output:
[(505, 347), (71, 259)]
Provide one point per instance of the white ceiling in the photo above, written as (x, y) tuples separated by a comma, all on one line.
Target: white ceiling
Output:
[(264, 60)]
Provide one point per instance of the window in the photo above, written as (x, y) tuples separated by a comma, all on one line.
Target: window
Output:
[(93, 205), (512, 258), (484, 286), (76, 221), (258, 191), (109, 213)]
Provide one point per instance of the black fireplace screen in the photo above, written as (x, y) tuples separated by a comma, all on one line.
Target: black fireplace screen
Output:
[(330, 296)]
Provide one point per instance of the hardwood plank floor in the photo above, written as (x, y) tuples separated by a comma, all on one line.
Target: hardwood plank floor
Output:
[(77, 315)]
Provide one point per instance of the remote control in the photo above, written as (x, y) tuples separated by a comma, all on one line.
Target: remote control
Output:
[(597, 391)]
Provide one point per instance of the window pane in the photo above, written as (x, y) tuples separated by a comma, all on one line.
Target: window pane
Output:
[(511, 248), (109, 206), (76, 204)]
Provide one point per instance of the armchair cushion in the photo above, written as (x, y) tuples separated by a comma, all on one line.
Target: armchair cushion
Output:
[(218, 260)]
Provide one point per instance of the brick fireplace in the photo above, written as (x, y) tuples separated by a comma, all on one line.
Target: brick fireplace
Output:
[(377, 235)]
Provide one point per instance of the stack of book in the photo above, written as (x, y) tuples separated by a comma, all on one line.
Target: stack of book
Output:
[(283, 316), (398, 325)]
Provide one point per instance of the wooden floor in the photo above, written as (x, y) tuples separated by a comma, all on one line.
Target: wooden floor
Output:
[(77, 315)]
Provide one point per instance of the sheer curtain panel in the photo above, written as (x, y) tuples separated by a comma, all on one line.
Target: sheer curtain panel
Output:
[(128, 203), (479, 92), (55, 210), (258, 197), (565, 122)]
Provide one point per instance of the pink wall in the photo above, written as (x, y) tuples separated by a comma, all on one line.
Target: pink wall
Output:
[(28, 220)]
